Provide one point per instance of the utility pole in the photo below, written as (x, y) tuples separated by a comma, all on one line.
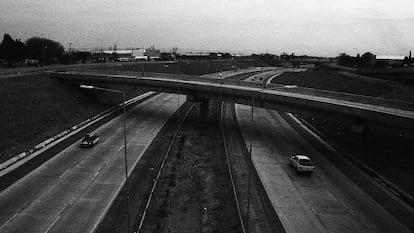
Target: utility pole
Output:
[(43, 52), (100, 49), (100, 45), (250, 163), (70, 47)]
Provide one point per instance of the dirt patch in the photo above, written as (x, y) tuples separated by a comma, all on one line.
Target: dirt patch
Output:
[(194, 192), (140, 181)]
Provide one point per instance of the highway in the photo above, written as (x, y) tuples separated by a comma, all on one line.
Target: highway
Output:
[(327, 201), (72, 191)]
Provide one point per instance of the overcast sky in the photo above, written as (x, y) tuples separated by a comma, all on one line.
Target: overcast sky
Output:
[(313, 27)]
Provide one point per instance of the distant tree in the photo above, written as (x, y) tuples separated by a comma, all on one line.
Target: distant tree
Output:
[(346, 60), (227, 56), (81, 56), (75, 57), (12, 51), (45, 50), (175, 51), (406, 61), (367, 59)]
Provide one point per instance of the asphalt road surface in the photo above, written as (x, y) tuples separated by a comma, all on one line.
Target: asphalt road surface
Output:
[(72, 191), (327, 201)]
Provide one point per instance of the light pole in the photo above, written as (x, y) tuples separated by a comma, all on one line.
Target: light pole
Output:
[(100, 49), (43, 52), (125, 141), (249, 171)]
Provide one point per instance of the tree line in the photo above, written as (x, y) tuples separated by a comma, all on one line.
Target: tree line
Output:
[(35, 51), (365, 60)]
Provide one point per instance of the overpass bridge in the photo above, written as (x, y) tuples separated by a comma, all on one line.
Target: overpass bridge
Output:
[(364, 111)]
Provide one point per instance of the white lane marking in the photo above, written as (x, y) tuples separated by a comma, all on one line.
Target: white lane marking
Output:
[(295, 119), (10, 219), (313, 210), (272, 77), (51, 225), (63, 174), (120, 148), (96, 174)]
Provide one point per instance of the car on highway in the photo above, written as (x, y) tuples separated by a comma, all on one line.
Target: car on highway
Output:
[(89, 140), (302, 163)]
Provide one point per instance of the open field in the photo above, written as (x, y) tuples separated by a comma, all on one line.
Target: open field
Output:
[(332, 81), (36, 107), (189, 67), (401, 74)]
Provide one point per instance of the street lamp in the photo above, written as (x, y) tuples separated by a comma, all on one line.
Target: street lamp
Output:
[(125, 141)]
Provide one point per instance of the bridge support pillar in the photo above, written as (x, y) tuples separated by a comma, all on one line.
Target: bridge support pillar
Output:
[(204, 105), (359, 127)]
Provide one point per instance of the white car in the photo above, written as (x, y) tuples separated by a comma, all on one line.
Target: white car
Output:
[(302, 163)]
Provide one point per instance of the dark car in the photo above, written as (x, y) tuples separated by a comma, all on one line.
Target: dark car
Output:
[(89, 140)]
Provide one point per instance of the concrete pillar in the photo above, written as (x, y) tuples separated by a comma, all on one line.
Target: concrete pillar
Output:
[(359, 127), (204, 105)]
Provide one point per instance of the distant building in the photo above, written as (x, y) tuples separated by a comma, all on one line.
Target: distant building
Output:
[(120, 52), (153, 54), (389, 60), (196, 56), (167, 57), (139, 54), (118, 55)]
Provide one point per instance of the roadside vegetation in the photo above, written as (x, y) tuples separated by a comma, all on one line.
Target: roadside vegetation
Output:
[(187, 67), (321, 78), (387, 152), (36, 51), (35, 108)]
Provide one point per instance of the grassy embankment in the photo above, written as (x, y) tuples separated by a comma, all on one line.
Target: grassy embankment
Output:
[(35, 107), (186, 67), (388, 154)]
